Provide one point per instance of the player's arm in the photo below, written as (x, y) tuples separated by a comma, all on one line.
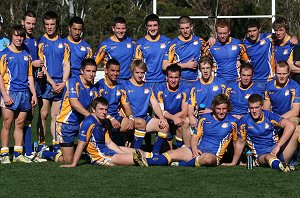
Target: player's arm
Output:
[(158, 112), (75, 104), (3, 67), (111, 145), (294, 112), (267, 105), (294, 60), (194, 145), (77, 155), (66, 69), (31, 84)]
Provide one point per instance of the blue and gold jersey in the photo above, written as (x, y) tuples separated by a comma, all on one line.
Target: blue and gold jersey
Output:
[(4, 42), (183, 51), (283, 50), (31, 46), (152, 52), (260, 54), (239, 97), (15, 67), (74, 89), (54, 52), (215, 135), (94, 134), (114, 94), (138, 97), (227, 56), (204, 92), (171, 100), (262, 134), (282, 98), (79, 51), (122, 51)]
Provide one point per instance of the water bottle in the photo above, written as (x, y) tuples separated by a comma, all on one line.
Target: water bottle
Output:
[(249, 160), (35, 146), (201, 108)]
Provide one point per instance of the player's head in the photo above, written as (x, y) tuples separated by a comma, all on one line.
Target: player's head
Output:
[(18, 35), (205, 66), (185, 26), (223, 30), (29, 21), (253, 29), (281, 27), (173, 75), (255, 104), (99, 107), (112, 69), (119, 28), (220, 106), (51, 22), (88, 69), (76, 26), (138, 69), (246, 74), (152, 25), (282, 72)]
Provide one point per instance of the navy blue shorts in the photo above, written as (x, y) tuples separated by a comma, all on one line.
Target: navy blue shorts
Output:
[(66, 133), (22, 101), (46, 91)]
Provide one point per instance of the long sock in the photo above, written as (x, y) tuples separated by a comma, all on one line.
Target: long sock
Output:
[(161, 138), (4, 151), (159, 160), (27, 138), (41, 144), (138, 138), (18, 151), (49, 155), (275, 163), (192, 163), (56, 145), (179, 142)]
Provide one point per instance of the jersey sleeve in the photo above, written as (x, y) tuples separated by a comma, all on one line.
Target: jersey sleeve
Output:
[(66, 53), (29, 66), (199, 131), (243, 53), (241, 131), (89, 53), (41, 48), (138, 53), (85, 131), (170, 53), (100, 53), (73, 88)]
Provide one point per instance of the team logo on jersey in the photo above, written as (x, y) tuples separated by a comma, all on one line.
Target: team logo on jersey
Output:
[(130, 91), (216, 48), (195, 42), (215, 88), (11, 57), (234, 47), (199, 90), (129, 45), (25, 58), (250, 127), (91, 93), (178, 96), (225, 125), (118, 93), (262, 42), (82, 48), (35, 43), (286, 51), (73, 90), (287, 92), (247, 96), (60, 45), (267, 126), (146, 47), (162, 46), (146, 91)]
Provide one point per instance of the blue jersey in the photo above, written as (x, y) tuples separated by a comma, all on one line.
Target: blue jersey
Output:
[(31, 46), (283, 50), (262, 134), (54, 52), (183, 51), (239, 96), (227, 57), (94, 134), (172, 100), (114, 94), (282, 98), (138, 97), (204, 92), (4, 42), (152, 52), (122, 51), (15, 67), (79, 51), (260, 54), (215, 135), (75, 89)]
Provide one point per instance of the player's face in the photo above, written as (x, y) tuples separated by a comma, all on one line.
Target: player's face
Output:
[(50, 26), (246, 77), (17, 40), (205, 70), (255, 110), (119, 30), (89, 73), (282, 75), (152, 28), (138, 75), (29, 24), (223, 34), (113, 72), (253, 33), (76, 31), (185, 30), (101, 111), (280, 33), (221, 111), (173, 79)]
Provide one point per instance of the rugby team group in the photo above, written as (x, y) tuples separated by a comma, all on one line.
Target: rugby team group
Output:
[(206, 95)]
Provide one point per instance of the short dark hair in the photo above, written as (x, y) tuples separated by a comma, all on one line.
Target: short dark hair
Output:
[(246, 66), (51, 15), (29, 14), (206, 59), (185, 19), (110, 62), (253, 23), (280, 22), (19, 30), (223, 23), (282, 64), (173, 68), (86, 62), (119, 20), (98, 100), (76, 20), (255, 98), (151, 17), (221, 99)]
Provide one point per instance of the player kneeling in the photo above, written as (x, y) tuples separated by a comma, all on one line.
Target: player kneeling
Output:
[(94, 138)]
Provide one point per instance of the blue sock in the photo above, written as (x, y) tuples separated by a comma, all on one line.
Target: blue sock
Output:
[(27, 139), (18, 151), (275, 163), (179, 142), (159, 160), (191, 163), (49, 155), (160, 139), (40, 146), (139, 136), (56, 146)]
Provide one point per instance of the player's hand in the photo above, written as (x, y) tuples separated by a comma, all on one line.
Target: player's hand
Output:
[(191, 64), (177, 121), (206, 110), (211, 41), (7, 100), (294, 40), (115, 123), (163, 123), (130, 124), (68, 166), (34, 100), (275, 150), (193, 121), (60, 87), (196, 153)]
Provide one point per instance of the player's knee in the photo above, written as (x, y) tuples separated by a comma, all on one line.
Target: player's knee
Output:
[(140, 123), (210, 160), (186, 121)]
